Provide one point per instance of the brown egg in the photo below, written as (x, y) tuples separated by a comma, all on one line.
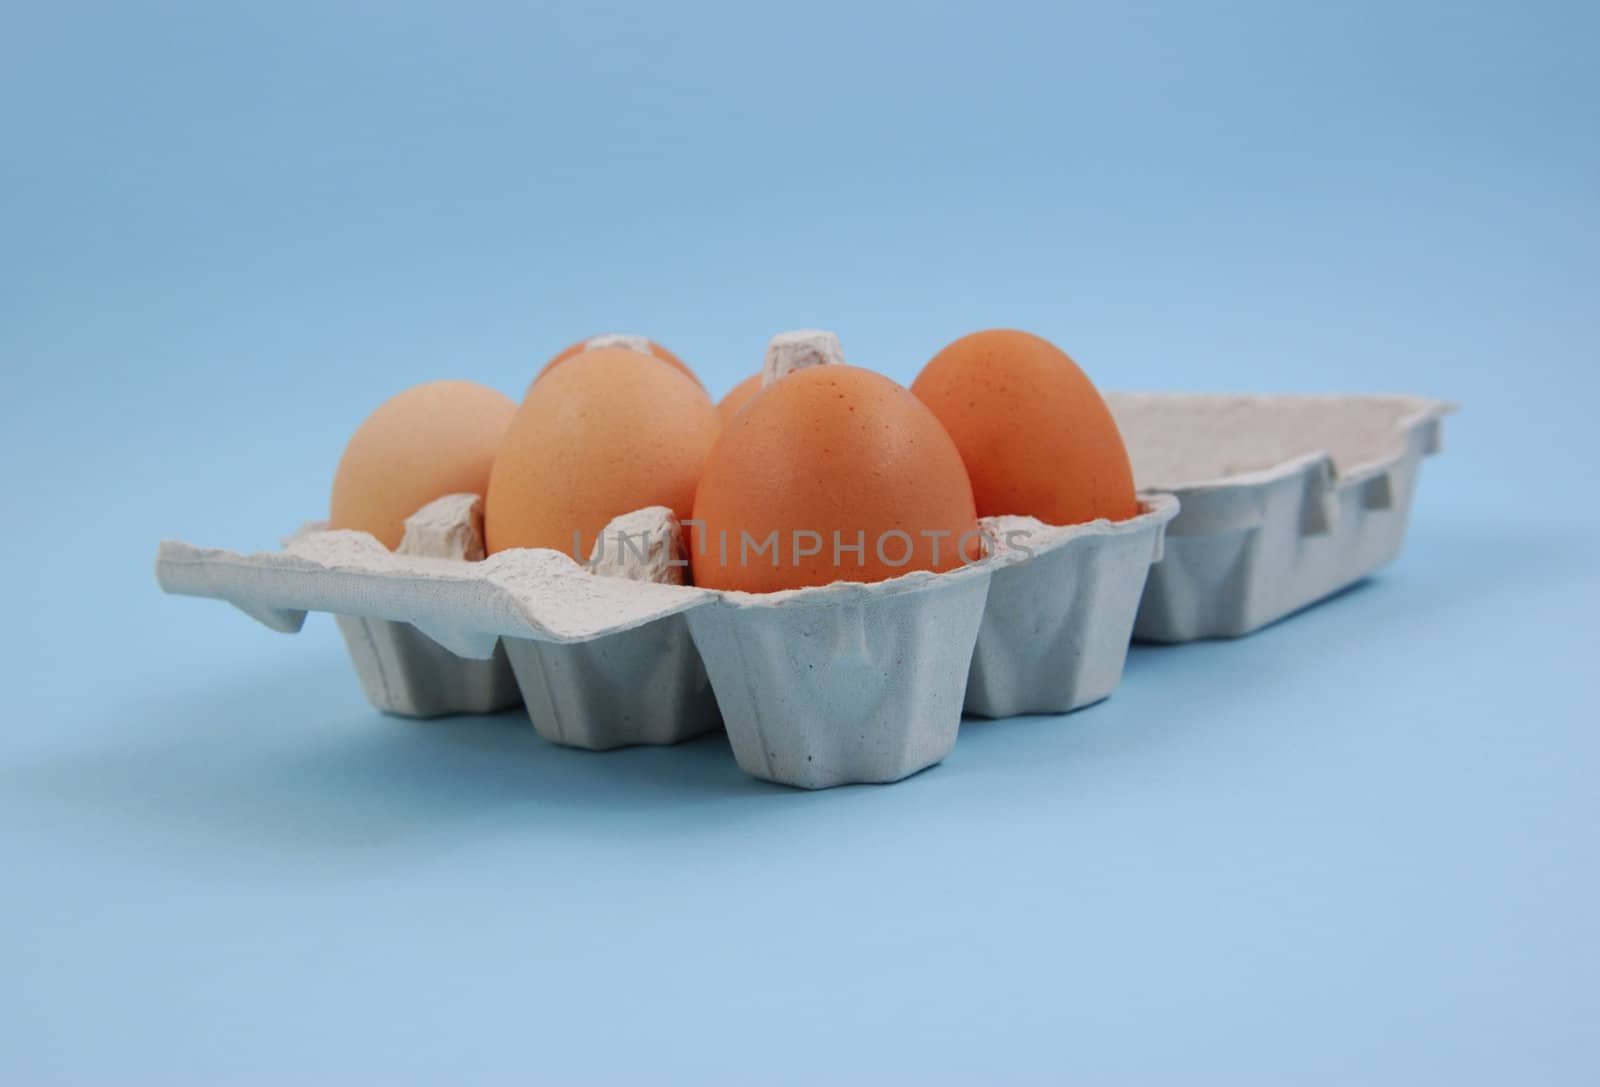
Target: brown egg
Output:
[(834, 455), (608, 432), (582, 346), (427, 442), (738, 397), (1036, 437)]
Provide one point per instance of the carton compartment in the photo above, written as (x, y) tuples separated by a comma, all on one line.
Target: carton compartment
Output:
[(405, 672), (1056, 626), (846, 683), (643, 686)]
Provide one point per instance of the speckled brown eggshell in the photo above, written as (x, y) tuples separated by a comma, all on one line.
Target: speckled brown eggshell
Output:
[(608, 432), (1036, 436), (738, 396), (429, 441), (825, 450)]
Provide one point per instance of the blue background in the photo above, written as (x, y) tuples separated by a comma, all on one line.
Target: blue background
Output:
[(1360, 846)]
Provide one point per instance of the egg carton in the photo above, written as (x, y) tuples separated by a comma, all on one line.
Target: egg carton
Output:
[(816, 687), (1284, 500)]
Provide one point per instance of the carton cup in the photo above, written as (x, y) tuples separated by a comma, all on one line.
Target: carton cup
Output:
[(1056, 627), (402, 670), (642, 686), (407, 673), (639, 686), (845, 683)]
